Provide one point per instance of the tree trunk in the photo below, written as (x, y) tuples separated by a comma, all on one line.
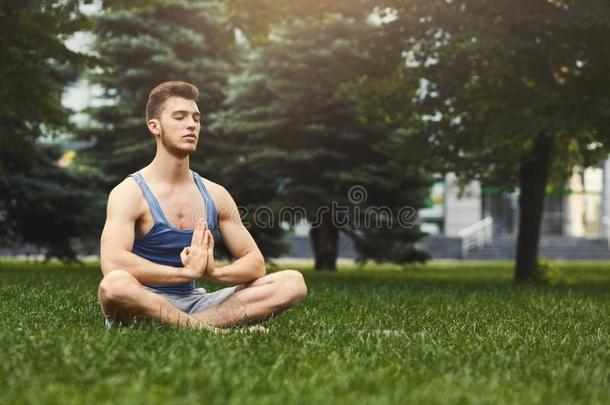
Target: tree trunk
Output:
[(533, 178), (324, 241)]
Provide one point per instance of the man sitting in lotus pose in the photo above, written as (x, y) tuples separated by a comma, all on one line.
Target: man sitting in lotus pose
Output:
[(153, 246)]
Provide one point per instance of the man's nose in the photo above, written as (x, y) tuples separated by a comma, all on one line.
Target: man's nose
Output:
[(192, 124)]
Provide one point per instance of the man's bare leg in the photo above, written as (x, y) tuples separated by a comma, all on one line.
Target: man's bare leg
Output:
[(258, 300), (123, 299)]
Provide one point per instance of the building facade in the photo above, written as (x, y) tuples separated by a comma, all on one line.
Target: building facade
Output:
[(576, 210)]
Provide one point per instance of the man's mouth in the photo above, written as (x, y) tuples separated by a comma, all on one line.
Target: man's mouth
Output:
[(190, 136)]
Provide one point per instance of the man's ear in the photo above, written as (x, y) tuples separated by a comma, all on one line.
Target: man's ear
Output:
[(154, 126)]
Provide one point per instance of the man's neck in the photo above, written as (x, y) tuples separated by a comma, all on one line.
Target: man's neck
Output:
[(166, 168)]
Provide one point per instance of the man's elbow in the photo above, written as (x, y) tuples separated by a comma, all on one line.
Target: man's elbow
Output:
[(261, 267), (109, 263)]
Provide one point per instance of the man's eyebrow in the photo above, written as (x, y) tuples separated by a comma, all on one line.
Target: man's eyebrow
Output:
[(185, 112)]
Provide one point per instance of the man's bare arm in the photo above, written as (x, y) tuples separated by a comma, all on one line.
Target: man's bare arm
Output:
[(118, 237), (250, 263)]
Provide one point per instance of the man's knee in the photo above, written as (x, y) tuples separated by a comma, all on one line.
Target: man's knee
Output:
[(116, 286), (293, 287)]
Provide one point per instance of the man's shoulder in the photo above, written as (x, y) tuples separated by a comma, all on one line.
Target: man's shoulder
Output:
[(220, 194), (127, 192), (212, 185), (127, 186), (125, 200)]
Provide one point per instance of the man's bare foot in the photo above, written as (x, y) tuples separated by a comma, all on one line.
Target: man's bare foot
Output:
[(210, 328), (257, 329)]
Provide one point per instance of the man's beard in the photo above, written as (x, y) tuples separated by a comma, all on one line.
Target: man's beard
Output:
[(172, 148)]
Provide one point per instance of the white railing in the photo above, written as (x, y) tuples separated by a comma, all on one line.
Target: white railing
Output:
[(606, 231), (477, 235)]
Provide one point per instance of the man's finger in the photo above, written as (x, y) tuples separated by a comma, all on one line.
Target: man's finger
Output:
[(205, 239), (211, 240), (204, 228), (184, 254), (197, 239)]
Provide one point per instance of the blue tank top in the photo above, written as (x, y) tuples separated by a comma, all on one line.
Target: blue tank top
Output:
[(163, 243)]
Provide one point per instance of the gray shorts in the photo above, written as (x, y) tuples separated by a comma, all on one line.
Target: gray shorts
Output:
[(196, 300), (193, 301)]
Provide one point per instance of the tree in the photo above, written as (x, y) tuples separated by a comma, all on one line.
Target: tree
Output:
[(143, 45), (256, 18), (35, 67), (508, 91), (53, 207), (296, 117)]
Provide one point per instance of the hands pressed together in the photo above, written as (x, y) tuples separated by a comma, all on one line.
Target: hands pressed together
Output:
[(198, 259)]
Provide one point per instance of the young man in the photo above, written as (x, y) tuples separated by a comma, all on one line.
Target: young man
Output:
[(157, 239)]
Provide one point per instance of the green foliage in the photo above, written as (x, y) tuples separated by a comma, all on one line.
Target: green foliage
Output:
[(257, 18), (464, 328), (513, 93), (144, 46), (389, 245), (497, 75), (40, 203), (52, 207), (548, 272), (36, 63), (140, 49), (295, 115)]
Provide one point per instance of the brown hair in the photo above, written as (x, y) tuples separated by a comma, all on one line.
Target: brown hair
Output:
[(165, 90)]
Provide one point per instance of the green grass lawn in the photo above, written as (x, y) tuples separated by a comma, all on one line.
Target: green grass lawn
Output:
[(463, 333)]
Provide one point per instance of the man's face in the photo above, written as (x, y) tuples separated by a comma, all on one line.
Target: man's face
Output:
[(178, 126)]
